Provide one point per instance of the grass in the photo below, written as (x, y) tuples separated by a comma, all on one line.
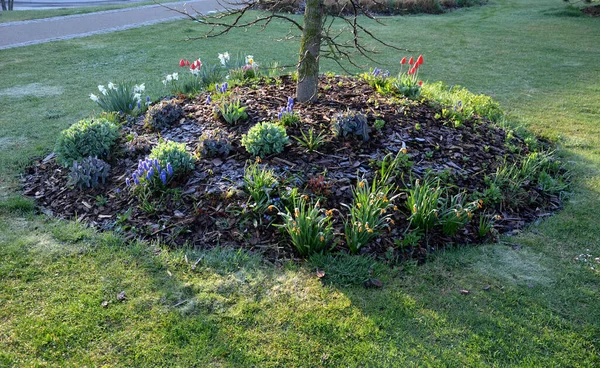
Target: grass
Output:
[(232, 309), (23, 15)]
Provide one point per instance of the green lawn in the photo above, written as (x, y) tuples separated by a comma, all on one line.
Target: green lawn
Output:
[(542, 310)]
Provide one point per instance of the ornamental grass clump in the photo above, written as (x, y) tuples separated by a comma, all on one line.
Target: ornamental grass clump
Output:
[(89, 172), (88, 137), (163, 114), (351, 123), (125, 98), (309, 227), (265, 138), (370, 212), (169, 152), (259, 183)]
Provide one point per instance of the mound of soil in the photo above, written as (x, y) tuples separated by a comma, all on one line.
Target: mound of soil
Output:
[(211, 208)]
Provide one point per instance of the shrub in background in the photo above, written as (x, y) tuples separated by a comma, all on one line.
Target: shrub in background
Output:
[(90, 172), (265, 138), (88, 137), (173, 153)]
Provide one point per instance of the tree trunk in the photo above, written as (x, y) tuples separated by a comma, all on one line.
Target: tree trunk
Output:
[(3, 5), (310, 45), (11, 4)]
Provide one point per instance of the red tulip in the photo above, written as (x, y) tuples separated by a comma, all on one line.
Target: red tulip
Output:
[(187, 63), (198, 63), (181, 62), (411, 71), (403, 61), (420, 83), (193, 66), (420, 60), (411, 61)]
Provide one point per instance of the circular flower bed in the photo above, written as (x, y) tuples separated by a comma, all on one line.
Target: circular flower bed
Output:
[(361, 170)]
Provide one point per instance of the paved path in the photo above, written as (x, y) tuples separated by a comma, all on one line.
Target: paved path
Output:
[(31, 32)]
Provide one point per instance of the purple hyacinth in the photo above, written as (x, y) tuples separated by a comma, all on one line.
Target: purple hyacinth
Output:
[(224, 87), (139, 105), (280, 115), (290, 102), (218, 87), (169, 169), (148, 176), (208, 99), (163, 177), (136, 181), (127, 182)]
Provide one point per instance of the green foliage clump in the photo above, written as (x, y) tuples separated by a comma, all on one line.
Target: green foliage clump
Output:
[(309, 227), (259, 183), (265, 138), (213, 144), (90, 172), (351, 123), (461, 104), (231, 110), (173, 153), (124, 98), (88, 137), (163, 114)]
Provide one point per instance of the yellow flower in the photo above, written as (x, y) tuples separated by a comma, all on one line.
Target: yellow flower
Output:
[(297, 212), (329, 213), (480, 203), (414, 208), (383, 211), (322, 238), (370, 230), (361, 184), (395, 208), (469, 214), (358, 205)]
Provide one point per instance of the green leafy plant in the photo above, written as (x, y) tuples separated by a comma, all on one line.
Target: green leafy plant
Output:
[(88, 137), (89, 172), (150, 177), (311, 141), (163, 114), (379, 80), (456, 213), (351, 123), (213, 144), (423, 203), (408, 83), (265, 138), (308, 226), (125, 98), (467, 104), (259, 183), (228, 107), (287, 117), (369, 213), (379, 124), (169, 152)]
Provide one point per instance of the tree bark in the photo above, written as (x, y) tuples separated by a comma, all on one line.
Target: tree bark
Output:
[(310, 45), (11, 4), (3, 5)]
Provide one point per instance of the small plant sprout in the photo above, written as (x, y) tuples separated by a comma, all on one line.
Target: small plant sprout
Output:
[(230, 109), (308, 226), (379, 124), (286, 116), (311, 141)]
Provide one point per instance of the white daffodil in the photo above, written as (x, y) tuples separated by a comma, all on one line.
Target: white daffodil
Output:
[(111, 85), (139, 89), (249, 59), (224, 58), (137, 97), (102, 89), (175, 76), (169, 78), (94, 98)]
